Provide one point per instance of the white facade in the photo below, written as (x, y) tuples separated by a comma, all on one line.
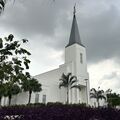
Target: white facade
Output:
[(75, 63), (50, 80)]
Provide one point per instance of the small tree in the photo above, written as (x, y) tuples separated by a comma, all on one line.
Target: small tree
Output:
[(13, 61), (67, 81), (31, 85), (97, 94), (10, 90)]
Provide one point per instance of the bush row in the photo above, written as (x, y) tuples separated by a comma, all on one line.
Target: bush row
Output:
[(58, 112)]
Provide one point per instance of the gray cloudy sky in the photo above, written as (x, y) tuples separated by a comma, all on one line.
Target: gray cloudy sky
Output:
[(46, 24)]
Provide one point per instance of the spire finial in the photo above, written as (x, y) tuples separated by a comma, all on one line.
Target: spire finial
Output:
[(74, 12)]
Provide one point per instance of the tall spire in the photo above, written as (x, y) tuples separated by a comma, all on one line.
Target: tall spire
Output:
[(74, 35), (74, 9)]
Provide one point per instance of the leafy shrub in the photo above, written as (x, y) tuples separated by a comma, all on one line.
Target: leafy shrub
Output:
[(36, 105), (54, 104), (58, 111)]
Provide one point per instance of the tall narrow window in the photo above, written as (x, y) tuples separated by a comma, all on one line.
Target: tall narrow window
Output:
[(36, 98), (81, 58), (44, 99)]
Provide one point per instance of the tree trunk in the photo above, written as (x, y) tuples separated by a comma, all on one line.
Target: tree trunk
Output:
[(9, 100), (30, 92), (67, 95), (0, 100), (98, 102)]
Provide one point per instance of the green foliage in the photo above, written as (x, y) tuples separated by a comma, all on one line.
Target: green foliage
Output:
[(31, 85), (13, 62), (49, 104), (54, 104), (97, 94), (113, 99), (11, 89), (13, 59), (63, 112), (68, 81), (36, 105)]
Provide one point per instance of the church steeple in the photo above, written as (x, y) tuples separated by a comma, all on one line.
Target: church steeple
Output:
[(74, 35)]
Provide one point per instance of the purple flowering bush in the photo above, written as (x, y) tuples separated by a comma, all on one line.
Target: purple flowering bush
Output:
[(58, 112)]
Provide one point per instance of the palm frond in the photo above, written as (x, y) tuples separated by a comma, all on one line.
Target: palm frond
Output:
[(100, 92), (72, 82), (76, 86), (68, 75), (102, 97), (97, 94), (61, 84), (73, 78), (92, 95), (94, 90), (62, 79), (64, 76)]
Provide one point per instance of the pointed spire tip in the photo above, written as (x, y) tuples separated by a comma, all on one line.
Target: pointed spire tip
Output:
[(74, 12)]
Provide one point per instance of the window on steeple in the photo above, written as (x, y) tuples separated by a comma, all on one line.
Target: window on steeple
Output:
[(81, 58)]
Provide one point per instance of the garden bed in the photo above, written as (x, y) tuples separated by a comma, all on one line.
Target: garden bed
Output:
[(58, 112)]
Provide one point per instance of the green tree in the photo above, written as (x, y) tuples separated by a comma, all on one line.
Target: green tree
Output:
[(31, 85), (97, 94), (10, 90), (67, 81), (113, 99), (13, 60)]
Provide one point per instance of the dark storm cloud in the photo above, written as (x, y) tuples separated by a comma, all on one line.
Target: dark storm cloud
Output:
[(102, 35), (30, 18), (33, 17), (99, 29)]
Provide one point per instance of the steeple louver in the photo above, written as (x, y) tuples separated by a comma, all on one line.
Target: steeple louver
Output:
[(74, 35)]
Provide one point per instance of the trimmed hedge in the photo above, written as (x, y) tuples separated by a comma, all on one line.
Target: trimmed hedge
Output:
[(58, 112)]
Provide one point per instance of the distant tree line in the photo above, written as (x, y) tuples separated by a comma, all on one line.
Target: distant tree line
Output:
[(112, 99)]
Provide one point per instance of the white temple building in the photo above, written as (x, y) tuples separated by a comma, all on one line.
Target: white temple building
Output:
[(75, 63)]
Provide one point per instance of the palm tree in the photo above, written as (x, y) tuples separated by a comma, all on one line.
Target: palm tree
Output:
[(67, 81), (31, 85), (97, 94), (10, 90)]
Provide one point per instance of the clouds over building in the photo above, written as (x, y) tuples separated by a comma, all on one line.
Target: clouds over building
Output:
[(47, 25)]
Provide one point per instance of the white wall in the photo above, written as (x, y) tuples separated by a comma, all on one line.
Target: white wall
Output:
[(50, 80), (72, 55)]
